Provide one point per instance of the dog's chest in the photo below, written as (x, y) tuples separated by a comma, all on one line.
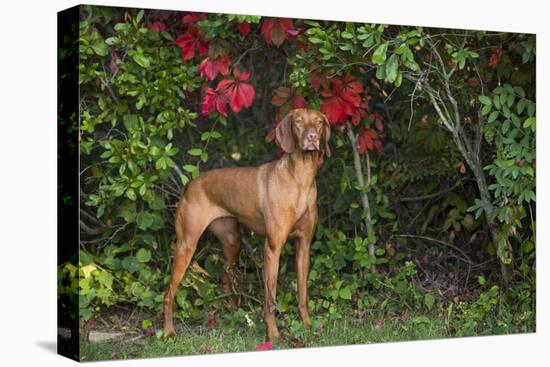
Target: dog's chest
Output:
[(302, 201)]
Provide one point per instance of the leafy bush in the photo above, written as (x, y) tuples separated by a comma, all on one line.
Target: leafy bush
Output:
[(165, 95)]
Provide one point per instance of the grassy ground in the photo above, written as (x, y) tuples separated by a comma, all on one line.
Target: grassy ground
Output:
[(230, 338)]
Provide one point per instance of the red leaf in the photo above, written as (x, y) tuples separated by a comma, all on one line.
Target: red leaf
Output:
[(356, 118), (495, 57), (377, 118), (241, 95), (113, 66), (212, 321), (365, 140), (379, 147), (276, 30), (299, 102), (211, 67), (333, 109), (215, 100), (244, 28), (150, 331), (304, 45), (264, 346), (350, 91), (378, 324), (473, 82), (157, 26), (192, 18), (315, 80), (189, 41), (287, 96)]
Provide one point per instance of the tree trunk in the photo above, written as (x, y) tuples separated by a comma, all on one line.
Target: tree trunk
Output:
[(363, 195), (474, 162)]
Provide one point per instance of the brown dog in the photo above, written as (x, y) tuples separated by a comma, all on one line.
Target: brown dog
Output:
[(276, 199)]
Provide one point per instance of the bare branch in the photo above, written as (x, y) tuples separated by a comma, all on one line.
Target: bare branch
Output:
[(435, 240)]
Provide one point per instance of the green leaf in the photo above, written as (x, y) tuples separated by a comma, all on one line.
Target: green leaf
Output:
[(531, 121), (505, 126), (189, 168), (521, 105), (391, 68), (142, 60), (157, 203), (100, 48), (161, 163), (195, 152), (380, 252), (481, 280), (139, 16), (144, 220), (131, 194), (143, 255), (379, 55), (493, 116), (130, 263), (485, 100), (106, 279), (345, 293), (346, 35), (429, 300)]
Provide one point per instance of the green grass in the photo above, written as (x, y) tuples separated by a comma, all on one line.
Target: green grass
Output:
[(229, 338)]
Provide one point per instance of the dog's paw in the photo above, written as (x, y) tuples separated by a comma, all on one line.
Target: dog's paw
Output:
[(169, 334)]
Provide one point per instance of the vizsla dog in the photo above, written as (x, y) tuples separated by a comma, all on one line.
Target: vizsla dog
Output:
[(276, 199)]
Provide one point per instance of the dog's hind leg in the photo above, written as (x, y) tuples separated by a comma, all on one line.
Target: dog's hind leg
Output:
[(226, 231), (188, 230)]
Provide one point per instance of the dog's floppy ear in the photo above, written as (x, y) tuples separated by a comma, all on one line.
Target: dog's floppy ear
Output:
[(326, 136), (283, 133)]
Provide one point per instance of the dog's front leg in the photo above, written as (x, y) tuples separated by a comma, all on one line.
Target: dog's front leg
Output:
[(302, 269), (272, 252)]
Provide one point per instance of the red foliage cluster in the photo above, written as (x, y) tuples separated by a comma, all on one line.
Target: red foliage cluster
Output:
[(191, 39), (235, 91), (370, 138), (276, 30), (343, 100), (495, 57)]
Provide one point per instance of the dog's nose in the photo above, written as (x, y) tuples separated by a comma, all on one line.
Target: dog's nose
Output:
[(312, 136)]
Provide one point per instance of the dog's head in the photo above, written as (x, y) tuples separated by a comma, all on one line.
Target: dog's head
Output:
[(304, 129)]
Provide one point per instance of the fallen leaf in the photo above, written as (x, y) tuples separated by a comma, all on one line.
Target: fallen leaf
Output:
[(150, 331), (264, 346)]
